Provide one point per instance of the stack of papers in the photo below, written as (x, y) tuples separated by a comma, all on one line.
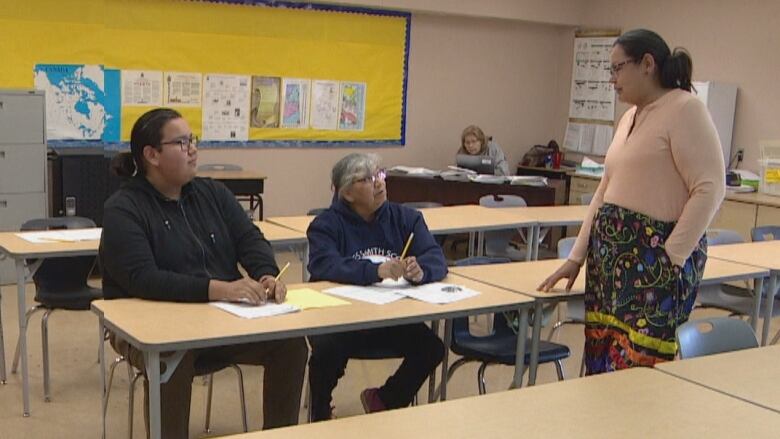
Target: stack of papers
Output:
[(489, 179), (72, 235), (253, 312), (306, 298), (527, 180), (415, 171), (373, 294), (440, 293)]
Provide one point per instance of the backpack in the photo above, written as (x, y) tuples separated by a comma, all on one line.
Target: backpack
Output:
[(539, 155)]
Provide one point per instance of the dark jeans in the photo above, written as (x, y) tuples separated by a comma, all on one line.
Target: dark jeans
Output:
[(419, 347), (283, 361)]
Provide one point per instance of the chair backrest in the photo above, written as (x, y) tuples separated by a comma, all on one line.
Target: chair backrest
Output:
[(765, 233), (565, 245), (723, 237), (502, 201), (697, 338), (422, 204), (586, 199), (61, 274), (220, 167), (316, 211)]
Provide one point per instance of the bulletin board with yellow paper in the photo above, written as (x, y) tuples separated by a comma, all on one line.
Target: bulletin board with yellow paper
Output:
[(262, 73)]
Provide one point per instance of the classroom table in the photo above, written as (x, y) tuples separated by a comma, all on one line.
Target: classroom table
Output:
[(190, 326), (247, 184), (751, 374), (472, 219), (525, 277), (636, 402), (547, 217), (20, 250), (760, 254)]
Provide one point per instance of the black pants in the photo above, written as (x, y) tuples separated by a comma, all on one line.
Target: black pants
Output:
[(419, 347)]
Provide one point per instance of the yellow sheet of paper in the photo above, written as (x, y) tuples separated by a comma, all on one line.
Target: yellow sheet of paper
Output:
[(306, 298)]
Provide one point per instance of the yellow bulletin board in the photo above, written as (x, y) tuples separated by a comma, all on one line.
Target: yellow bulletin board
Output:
[(261, 38)]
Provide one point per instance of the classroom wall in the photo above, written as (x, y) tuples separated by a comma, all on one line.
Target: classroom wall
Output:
[(502, 75), (734, 42)]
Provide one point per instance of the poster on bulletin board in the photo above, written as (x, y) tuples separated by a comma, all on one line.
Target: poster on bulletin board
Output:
[(280, 74)]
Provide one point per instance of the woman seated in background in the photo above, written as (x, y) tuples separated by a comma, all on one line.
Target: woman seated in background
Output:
[(359, 240), (474, 142)]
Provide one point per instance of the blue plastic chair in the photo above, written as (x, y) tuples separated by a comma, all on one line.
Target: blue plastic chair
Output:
[(498, 347), (697, 338), (765, 233)]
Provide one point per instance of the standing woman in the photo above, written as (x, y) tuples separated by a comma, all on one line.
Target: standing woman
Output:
[(474, 142), (643, 237)]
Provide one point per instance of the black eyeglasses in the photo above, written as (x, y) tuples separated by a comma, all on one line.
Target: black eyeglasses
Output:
[(617, 67), (185, 143)]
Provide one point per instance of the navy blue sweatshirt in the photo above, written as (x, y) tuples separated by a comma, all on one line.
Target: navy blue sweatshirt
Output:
[(344, 248), (161, 249)]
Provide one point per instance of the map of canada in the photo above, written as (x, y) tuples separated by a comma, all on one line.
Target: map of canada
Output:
[(75, 100)]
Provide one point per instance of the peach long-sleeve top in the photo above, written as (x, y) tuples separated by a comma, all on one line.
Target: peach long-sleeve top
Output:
[(669, 167)]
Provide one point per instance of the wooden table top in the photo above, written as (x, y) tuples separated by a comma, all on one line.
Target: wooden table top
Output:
[(750, 374), (17, 247), (571, 215), (755, 198), (632, 403), (465, 218), (164, 326), (275, 233), (525, 277), (299, 222), (761, 254)]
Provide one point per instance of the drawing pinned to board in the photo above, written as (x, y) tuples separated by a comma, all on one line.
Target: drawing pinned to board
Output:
[(142, 88), (592, 95), (182, 89), (265, 101), (225, 107), (352, 113), (324, 104), (295, 103)]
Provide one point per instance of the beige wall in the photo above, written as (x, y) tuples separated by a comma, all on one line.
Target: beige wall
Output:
[(502, 75), (730, 41)]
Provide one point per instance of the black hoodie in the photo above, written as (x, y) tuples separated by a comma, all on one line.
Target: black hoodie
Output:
[(161, 249)]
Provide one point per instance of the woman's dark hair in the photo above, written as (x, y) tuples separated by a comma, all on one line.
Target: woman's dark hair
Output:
[(146, 131), (675, 69)]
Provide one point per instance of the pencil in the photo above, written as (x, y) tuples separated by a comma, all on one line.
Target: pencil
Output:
[(281, 272), (408, 243)]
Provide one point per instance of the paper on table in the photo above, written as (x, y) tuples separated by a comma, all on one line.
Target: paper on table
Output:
[(253, 312), (73, 235), (306, 298), (439, 292), (375, 295)]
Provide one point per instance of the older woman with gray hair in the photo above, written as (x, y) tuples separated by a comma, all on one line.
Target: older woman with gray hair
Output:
[(360, 240)]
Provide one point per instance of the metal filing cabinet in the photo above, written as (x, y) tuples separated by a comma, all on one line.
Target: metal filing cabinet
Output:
[(22, 163)]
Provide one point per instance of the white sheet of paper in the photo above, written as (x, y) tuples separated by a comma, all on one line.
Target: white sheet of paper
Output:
[(73, 235), (439, 293), (254, 312), (373, 294)]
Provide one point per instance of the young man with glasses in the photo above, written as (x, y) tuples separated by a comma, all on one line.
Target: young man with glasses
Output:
[(360, 240), (170, 236)]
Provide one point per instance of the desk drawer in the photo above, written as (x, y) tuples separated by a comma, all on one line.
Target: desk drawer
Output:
[(584, 185)]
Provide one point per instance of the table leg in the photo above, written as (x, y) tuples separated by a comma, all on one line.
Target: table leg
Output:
[(20, 281), (102, 368), (536, 335), (2, 348), (153, 375), (770, 301), (758, 287), (522, 336), (480, 244), (305, 261), (471, 244), (432, 378), (445, 360)]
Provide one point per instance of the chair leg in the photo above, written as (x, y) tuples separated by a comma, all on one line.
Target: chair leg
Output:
[(241, 396), (481, 378), (558, 324), (775, 338), (110, 381), (209, 392), (45, 347), (2, 350), (582, 366), (27, 316), (559, 370)]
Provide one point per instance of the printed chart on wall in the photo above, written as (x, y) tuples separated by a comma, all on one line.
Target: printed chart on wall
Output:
[(592, 104), (283, 74)]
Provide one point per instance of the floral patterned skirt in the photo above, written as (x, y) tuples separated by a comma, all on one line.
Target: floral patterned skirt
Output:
[(634, 296)]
